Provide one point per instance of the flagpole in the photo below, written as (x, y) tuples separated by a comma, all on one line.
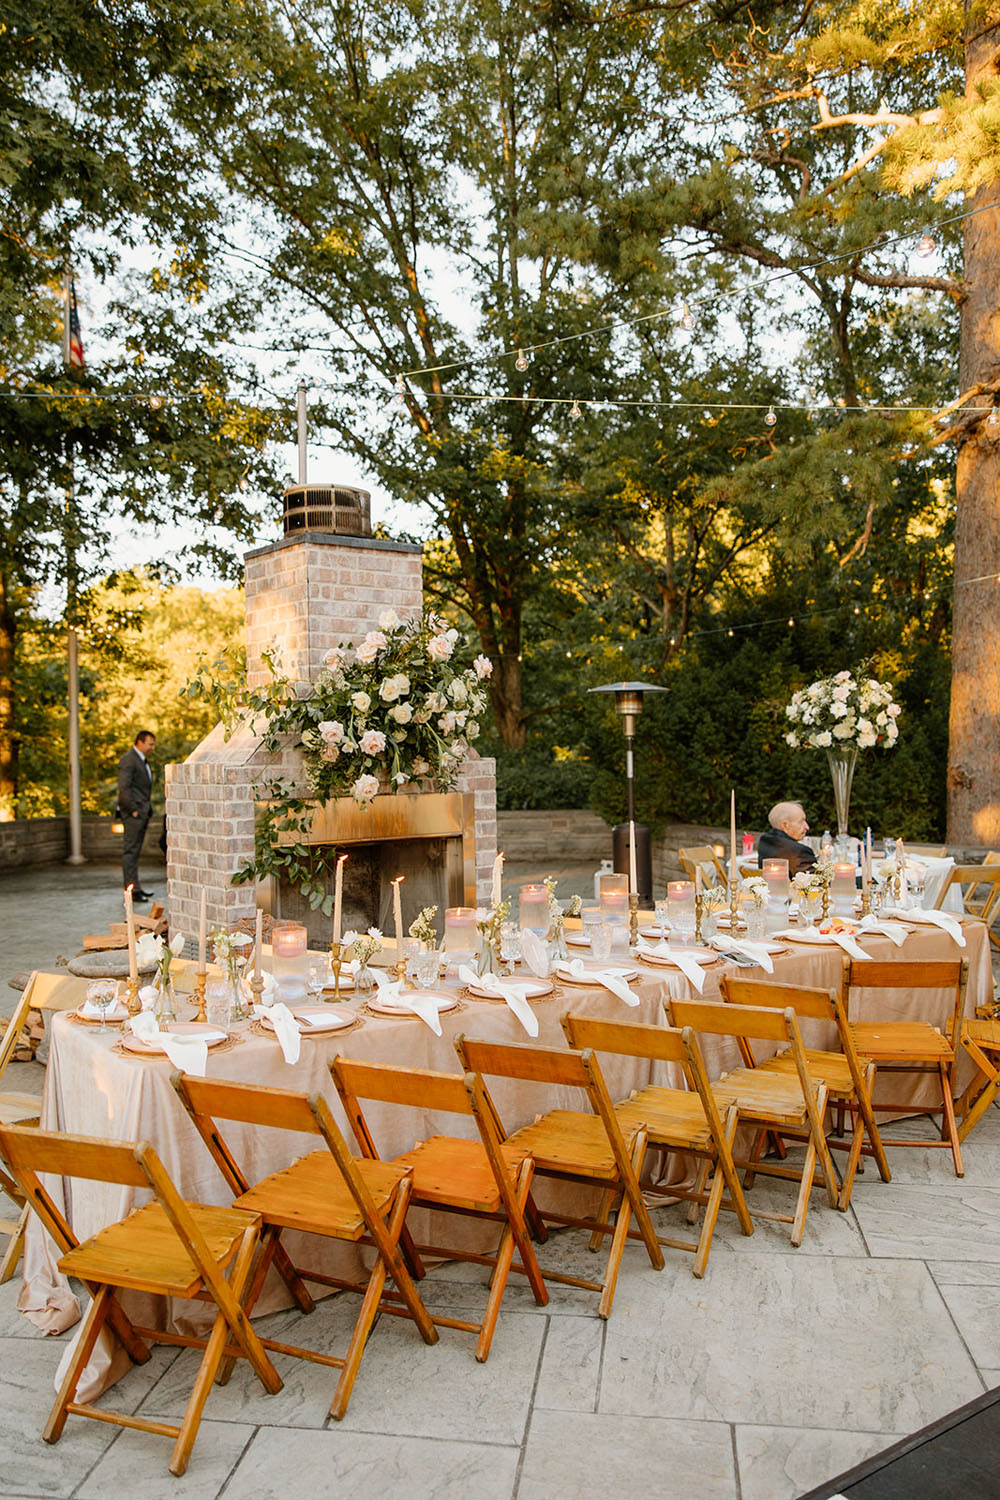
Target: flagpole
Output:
[(76, 855)]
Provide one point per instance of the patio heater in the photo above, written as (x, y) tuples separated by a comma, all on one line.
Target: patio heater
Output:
[(628, 703)]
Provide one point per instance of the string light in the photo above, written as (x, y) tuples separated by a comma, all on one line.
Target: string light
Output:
[(522, 361), (926, 246), (155, 402), (687, 319), (575, 411), (771, 416), (400, 391)]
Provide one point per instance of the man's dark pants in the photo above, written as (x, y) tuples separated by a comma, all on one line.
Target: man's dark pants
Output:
[(135, 832)]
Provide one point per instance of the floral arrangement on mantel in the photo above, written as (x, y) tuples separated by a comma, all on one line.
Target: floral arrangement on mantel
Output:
[(399, 708), (845, 711)]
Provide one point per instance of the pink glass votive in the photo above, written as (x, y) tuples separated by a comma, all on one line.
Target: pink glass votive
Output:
[(533, 909), (680, 901), (845, 885), (289, 962), (460, 935), (775, 872)]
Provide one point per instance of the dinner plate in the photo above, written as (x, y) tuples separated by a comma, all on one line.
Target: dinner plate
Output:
[(533, 989), (924, 920), (577, 940), (669, 961), (393, 1007), (211, 1035), (652, 932), (621, 971), (116, 1012), (815, 937), (346, 983), (314, 1018), (768, 946)]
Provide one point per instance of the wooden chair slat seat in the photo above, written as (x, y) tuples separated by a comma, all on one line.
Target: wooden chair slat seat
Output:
[(19, 1109), (568, 1140), (674, 1117), (311, 1195), (831, 1068), (775, 1096), (450, 1171), (144, 1254), (899, 1041)]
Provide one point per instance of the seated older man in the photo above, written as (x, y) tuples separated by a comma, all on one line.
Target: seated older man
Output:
[(783, 840)]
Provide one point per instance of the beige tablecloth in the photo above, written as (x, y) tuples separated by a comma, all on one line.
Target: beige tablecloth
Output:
[(92, 1090)]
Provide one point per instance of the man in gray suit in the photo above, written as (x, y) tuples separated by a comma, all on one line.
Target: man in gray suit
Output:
[(135, 785)]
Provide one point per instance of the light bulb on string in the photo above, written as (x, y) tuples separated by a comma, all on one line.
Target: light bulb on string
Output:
[(400, 391), (791, 624), (575, 410), (522, 361), (993, 420), (770, 417), (926, 246), (155, 402), (687, 319)]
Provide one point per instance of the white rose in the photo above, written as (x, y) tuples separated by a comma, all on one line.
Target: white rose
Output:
[(361, 702), (483, 667), (457, 691), (822, 739), (334, 659), (371, 646), (838, 710), (843, 730), (420, 766), (402, 713), (842, 677), (436, 703), (388, 620), (394, 687), (841, 693), (894, 710), (332, 731), (472, 731), (439, 648), (446, 723), (365, 788), (372, 742), (865, 739), (792, 739)]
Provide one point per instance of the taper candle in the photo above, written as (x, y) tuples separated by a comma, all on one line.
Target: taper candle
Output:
[(202, 967), (397, 913), (338, 897), (633, 879), (734, 869), (496, 894), (259, 943), (133, 963)]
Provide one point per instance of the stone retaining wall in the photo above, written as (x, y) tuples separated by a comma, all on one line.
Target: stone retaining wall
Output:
[(45, 841)]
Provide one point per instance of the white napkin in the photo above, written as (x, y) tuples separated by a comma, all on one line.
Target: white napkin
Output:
[(894, 933), (93, 1011), (946, 922), (845, 941), (286, 1029), (757, 951), (692, 971), (421, 1005), (515, 995), (189, 1053), (534, 953), (607, 977)]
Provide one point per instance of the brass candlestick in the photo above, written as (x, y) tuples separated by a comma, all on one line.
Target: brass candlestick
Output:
[(132, 996), (699, 912), (826, 903), (866, 902), (336, 964), (737, 921), (256, 987), (199, 995), (633, 919), (400, 968)]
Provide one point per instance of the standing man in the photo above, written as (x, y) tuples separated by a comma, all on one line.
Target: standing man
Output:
[(135, 785), (783, 840)]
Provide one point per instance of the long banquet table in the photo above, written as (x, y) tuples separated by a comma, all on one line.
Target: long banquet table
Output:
[(93, 1089)]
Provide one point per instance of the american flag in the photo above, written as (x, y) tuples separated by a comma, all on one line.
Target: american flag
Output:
[(76, 358)]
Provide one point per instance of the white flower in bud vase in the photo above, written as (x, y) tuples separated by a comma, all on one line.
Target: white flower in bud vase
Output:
[(388, 620), (394, 687), (375, 932), (439, 648), (177, 944), (350, 937), (370, 647), (148, 949), (372, 742), (483, 667), (361, 702), (365, 788), (402, 713), (147, 997)]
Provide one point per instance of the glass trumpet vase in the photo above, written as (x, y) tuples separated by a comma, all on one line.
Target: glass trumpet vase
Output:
[(842, 761)]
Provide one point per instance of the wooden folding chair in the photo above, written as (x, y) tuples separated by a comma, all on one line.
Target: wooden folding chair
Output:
[(328, 1192), (703, 857), (915, 1046), (848, 1078), (981, 1042), (15, 1109), (485, 1178), (170, 1248), (786, 1104), (575, 1147), (674, 1119), (980, 886)]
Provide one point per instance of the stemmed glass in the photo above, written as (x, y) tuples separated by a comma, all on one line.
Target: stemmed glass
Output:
[(662, 911), (810, 906), (510, 945), (103, 993)]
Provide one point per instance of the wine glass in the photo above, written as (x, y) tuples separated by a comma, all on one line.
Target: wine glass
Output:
[(510, 945), (103, 993), (662, 911)]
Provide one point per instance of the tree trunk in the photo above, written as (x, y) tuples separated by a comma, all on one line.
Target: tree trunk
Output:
[(8, 739), (507, 701), (974, 726)]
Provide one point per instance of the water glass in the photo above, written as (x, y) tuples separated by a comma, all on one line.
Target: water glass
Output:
[(103, 993), (510, 945), (810, 906), (600, 942), (218, 1002), (426, 967), (662, 910)]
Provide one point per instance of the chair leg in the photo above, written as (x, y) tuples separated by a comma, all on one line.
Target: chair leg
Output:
[(949, 1118), (214, 1348), (700, 1182), (12, 1254), (853, 1157), (86, 1339), (988, 1093), (805, 1188), (359, 1338), (871, 1126), (750, 1176), (618, 1242), (396, 1266), (501, 1270), (603, 1216)]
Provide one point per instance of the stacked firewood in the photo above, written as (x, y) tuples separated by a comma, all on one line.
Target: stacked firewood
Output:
[(117, 934)]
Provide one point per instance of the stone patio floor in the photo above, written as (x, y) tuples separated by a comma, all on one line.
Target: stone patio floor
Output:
[(773, 1374)]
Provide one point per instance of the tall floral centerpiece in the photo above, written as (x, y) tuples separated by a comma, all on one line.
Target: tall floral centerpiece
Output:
[(842, 715)]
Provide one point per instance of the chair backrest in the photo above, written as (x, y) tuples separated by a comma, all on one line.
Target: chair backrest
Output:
[(658, 1043), (932, 851), (15, 1026), (209, 1099), (931, 974), (746, 1022), (703, 857), (981, 895), (807, 1002), (992, 858)]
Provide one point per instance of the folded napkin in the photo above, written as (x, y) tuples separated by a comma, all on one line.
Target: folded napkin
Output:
[(515, 995), (189, 1053), (692, 971), (534, 953), (845, 941), (946, 922), (92, 1011), (286, 1029), (607, 977), (894, 933), (755, 951), (392, 992)]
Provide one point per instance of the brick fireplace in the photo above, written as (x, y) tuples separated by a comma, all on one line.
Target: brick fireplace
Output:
[(304, 593)]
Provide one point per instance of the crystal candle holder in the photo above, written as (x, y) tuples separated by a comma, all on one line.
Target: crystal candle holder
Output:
[(845, 887), (775, 872), (533, 909), (614, 898), (681, 906), (289, 960), (460, 934)]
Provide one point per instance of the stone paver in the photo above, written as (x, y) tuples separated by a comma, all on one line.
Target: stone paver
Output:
[(778, 1370)]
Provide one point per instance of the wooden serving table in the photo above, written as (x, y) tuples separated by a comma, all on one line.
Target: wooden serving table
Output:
[(93, 1088)]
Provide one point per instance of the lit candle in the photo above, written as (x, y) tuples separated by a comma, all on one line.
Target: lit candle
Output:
[(201, 936), (133, 963), (775, 872), (397, 913), (258, 945), (734, 868), (844, 884), (497, 880), (338, 897), (633, 879)]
